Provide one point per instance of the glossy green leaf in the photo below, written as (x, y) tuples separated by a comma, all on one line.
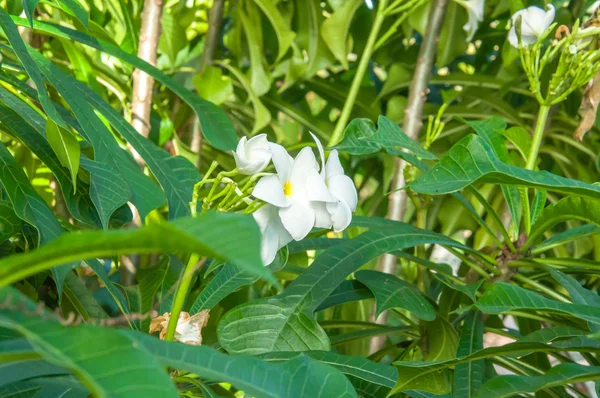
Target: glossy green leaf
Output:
[(436, 382), (578, 293), (443, 340), (469, 377), (29, 8), (501, 297), (31, 208), (46, 387), (76, 10), (361, 138), (14, 371), (259, 79), (539, 202), (392, 292), (150, 281), (172, 37), (211, 234), (520, 139), (559, 375), (80, 298), (285, 322), (216, 125), (66, 147), (262, 116), (20, 49), (213, 86), (570, 208), (285, 36), (346, 292), (335, 30), (567, 236), (313, 378), (370, 379), (10, 223), (226, 281), (472, 160)]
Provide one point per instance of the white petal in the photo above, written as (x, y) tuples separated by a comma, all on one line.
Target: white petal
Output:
[(341, 215), (322, 216), (270, 189), (282, 160), (298, 219), (334, 166), (258, 160), (240, 161), (321, 151), (512, 37), (269, 245), (343, 188), (257, 142), (241, 147), (263, 216), (548, 19), (305, 164), (316, 189)]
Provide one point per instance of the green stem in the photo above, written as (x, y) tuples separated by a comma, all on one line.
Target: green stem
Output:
[(360, 72), (537, 136), (180, 295)]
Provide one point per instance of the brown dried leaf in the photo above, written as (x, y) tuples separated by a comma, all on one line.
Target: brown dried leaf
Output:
[(189, 328), (588, 108)]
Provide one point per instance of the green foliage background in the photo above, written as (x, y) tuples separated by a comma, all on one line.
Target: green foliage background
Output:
[(76, 208)]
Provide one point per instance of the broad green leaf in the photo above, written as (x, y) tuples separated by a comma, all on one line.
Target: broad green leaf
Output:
[(569, 208), (361, 138), (310, 18), (30, 128), (285, 36), (567, 236), (443, 340), (228, 279), (468, 377), (501, 297), (172, 37), (262, 116), (559, 375), (14, 371), (32, 209), (472, 160), (176, 175), (29, 8), (370, 379), (578, 293), (346, 292), (80, 299), (285, 322), (90, 353), (213, 86), (335, 30), (10, 223), (73, 7), (128, 181), (520, 139), (149, 282), (46, 387), (82, 67), (436, 382), (66, 147), (211, 234), (452, 41), (546, 335), (539, 201), (259, 80), (468, 289), (392, 292), (216, 125), (299, 376)]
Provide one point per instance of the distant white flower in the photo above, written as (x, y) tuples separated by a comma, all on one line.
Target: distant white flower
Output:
[(289, 189), (274, 234), (534, 22), (252, 156), (336, 211), (188, 329), (475, 9)]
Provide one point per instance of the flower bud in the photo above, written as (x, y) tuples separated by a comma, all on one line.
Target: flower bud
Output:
[(252, 156)]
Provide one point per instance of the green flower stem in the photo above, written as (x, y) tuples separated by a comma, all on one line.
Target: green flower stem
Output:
[(180, 295), (360, 72), (525, 280), (538, 134)]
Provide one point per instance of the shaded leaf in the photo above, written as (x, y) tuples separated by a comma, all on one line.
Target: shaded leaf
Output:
[(335, 30), (172, 37), (10, 223), (285, 36), (66, 147), (469, 377), (567, 236), (392, 292), (346, 292), (212, 85)]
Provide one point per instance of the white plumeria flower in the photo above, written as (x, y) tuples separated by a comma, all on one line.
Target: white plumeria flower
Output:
[(252, 155), (337, 211), (290, 190), (475, 9), (534, 22), (274, 234)]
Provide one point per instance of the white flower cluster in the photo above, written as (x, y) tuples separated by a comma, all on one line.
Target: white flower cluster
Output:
[(300, 196), (534, 22)]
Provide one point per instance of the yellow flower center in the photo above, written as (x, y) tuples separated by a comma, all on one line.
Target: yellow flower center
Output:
[(287, 188)]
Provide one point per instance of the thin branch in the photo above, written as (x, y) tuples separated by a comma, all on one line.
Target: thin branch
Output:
[(412, 124), (215, 20), (141, 104)]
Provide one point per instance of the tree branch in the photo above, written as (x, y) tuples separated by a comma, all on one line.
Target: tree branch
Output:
[(417, 96), (215, 20)]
